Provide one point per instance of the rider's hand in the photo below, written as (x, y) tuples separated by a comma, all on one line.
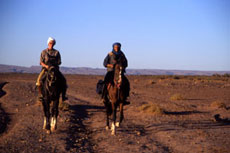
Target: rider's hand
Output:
[(44, 65), (110, 65)]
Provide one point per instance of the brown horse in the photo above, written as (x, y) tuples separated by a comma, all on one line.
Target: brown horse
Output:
[(116, 95), (51, 91)]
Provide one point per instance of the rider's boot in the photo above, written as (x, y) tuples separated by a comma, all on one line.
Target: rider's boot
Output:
[(104, 96), (40, 96), (64, 98), (105, 100), (126, 102)]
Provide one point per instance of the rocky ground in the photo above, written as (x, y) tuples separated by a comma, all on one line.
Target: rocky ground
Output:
[(167, 114)]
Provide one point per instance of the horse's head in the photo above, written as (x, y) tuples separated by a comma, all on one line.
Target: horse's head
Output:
[(118, 73), (52, 76)]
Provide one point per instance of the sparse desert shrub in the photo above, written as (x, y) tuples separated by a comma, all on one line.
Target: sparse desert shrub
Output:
[(226, 75), (177, 97), (176, 77), (224, 79), (184, 77), (162, 77), (160, 80), (152, 82), (152, 109), (218, 104), (219, 75), (216, 75)]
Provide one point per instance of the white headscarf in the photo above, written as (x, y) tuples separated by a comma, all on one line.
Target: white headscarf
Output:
[(51, 39)]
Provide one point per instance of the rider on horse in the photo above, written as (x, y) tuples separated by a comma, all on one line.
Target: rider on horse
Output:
[(114, 57), (50, 57)]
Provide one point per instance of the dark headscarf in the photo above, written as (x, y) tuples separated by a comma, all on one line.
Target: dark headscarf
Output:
[(119, 52), (117, 43)]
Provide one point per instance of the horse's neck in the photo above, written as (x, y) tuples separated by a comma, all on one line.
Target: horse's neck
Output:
[(118, 77)]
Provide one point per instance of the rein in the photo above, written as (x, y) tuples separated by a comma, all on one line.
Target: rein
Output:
[(119, 81), (48, 81)]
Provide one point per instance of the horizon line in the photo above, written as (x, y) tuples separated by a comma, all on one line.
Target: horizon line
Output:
[(128, 68)]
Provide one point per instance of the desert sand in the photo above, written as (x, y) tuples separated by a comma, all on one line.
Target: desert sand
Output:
[(167, 114)]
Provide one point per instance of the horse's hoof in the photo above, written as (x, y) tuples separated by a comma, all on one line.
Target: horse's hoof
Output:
[(48, 131), (107, 128), (117, 124), (113, 129), (113, 133), (44, 125), (53, 128), (53, 124)]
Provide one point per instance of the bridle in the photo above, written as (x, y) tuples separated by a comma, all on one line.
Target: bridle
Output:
[(51, 79), (118, 81)]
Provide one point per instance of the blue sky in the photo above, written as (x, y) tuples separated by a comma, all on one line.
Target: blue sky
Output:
[(156, 34)]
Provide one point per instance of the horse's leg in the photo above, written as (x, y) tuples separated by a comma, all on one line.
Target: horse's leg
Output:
[(46, 109), (54, 115), (114, 109), (107, 115), (45, 114), (48, 117), (121, 115)]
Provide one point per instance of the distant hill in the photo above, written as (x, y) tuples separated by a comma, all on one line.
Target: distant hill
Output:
[(99, 71)]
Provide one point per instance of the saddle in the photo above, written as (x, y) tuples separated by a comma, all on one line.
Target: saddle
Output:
[(45, 75)]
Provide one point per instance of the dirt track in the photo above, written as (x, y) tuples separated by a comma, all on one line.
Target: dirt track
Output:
[(185, 126)]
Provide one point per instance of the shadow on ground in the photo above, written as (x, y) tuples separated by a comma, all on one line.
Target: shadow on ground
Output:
[(2, 92), (187, 125), (224, 121), (79, 135), (183, 112), (4, 117)]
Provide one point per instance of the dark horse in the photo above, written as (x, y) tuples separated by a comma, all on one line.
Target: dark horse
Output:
[(51, 91), (117, 96)]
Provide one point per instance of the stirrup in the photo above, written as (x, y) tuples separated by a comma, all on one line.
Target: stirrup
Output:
[(64, 98), (40, 98), (126, 103), (105, 101)]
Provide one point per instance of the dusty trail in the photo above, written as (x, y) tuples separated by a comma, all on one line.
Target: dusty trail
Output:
[(186, 126)]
